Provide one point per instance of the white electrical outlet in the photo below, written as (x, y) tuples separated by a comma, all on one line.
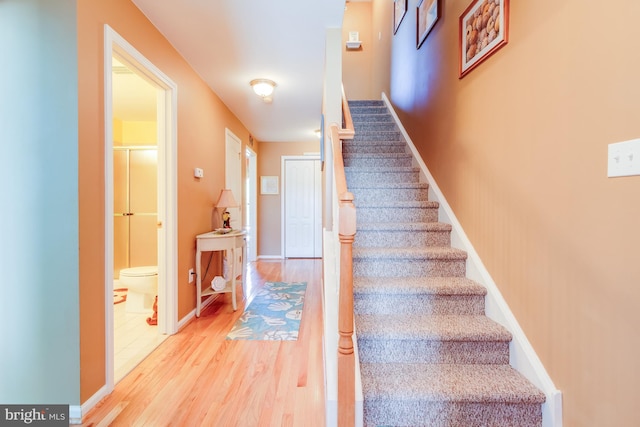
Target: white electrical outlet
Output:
[(198, 172), (624, 158), (192, 275)]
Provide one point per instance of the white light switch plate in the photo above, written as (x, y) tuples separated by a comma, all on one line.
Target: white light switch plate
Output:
[(624, 158), (198, 173)]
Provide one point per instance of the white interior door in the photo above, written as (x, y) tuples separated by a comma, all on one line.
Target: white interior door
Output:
[(302, 208), (251, 220), (233, 181), (233, 176)]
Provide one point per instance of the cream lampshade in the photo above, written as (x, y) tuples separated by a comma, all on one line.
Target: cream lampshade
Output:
[(226, 200)]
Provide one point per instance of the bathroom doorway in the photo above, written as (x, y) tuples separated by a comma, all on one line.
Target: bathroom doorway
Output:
[(140, 202)]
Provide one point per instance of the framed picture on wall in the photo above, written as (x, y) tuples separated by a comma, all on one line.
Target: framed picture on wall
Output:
[(427, 13), (484, 28), (399, 10), (269, 185)]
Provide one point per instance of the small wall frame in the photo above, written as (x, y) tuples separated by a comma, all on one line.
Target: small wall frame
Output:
[(427, 13), (269, 185)]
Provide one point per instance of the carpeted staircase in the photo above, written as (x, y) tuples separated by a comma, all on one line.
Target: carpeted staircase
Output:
[(428, 354)]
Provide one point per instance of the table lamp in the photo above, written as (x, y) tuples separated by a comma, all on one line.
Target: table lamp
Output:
[(226, 200)]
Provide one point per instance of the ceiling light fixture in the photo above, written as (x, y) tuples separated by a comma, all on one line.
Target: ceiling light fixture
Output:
[(263, 88)]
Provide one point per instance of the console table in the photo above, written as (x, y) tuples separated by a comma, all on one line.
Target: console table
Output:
[(216, 241)]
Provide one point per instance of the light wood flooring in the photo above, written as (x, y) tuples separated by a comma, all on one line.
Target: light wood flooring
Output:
[(197, 378)]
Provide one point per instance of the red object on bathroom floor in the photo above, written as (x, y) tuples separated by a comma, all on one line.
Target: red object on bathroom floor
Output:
[(153, 320), (119, 295)]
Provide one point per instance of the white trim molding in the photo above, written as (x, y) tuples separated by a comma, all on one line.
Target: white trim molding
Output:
[(522, 356), (116, 45)]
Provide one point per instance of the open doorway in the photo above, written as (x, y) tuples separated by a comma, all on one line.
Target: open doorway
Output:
[(140, 196)]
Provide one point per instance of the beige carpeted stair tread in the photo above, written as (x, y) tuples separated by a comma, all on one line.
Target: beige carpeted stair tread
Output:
[(430, 327), (403, 226), (388, 185), (427, 204), (410, 253), (384, 169), (417, 285), (453, 383)]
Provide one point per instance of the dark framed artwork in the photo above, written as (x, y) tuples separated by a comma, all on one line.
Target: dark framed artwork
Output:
[(484, 28), (399, 10), (427, 13)]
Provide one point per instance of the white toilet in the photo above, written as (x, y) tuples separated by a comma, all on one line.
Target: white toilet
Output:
[(142, 285)]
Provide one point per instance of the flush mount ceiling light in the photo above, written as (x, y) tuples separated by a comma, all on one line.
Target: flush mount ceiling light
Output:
[(263, 88)]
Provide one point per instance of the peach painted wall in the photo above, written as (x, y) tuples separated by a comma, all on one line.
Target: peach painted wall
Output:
[(269, 205), (519, 148), (357, 63), (202, 118), (382, 33)]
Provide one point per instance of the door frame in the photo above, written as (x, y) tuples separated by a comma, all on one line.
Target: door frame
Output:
[(283, 159), (167, 104), (252, 208), (230, 137)]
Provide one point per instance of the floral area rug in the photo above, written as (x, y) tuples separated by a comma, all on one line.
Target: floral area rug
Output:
[(274, 313)]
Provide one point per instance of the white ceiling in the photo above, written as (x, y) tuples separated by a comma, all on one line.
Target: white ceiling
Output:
[(231, 42)]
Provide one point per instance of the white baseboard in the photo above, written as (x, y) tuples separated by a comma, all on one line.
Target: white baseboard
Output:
[(76, 412), (522, 355), (270, 257), (189, 317)]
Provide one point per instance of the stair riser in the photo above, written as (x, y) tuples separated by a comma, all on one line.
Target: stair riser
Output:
[(421, 303), (379, 267), (398, 239), (358, 103), (364, 148), (375, 127), (356, 179), (366, 214), (370, 195), (450, 414), (430, 351), (378, 136), (378, 162)]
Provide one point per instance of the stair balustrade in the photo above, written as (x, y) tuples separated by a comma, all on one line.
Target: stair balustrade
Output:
[(346, 235)]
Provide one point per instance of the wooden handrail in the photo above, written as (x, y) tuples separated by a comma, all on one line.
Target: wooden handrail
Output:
[(348, 131), (346, 235)]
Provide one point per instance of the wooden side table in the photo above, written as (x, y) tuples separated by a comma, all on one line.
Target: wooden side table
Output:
[(215, 241)]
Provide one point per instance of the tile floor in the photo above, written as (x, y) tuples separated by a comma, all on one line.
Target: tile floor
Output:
[(134, 339)]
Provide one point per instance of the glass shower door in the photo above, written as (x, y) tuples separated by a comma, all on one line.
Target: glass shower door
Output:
[(135, 207)]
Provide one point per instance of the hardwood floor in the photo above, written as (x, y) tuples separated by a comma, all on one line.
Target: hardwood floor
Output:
[(197, 378)]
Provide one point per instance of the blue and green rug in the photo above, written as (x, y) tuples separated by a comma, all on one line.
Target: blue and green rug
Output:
[(274, 314)]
